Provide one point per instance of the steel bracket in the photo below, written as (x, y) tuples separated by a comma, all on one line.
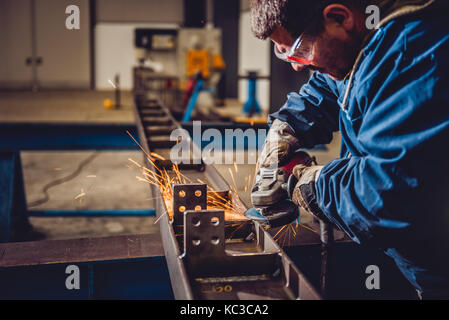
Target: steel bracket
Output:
[(205, 254), (188, 197)]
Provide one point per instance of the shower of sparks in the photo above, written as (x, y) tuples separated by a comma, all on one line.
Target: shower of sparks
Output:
[(287, 234), (163, 180), (232, 205)]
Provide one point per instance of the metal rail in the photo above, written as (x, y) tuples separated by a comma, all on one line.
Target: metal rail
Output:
[(118, 267), (203, 262)]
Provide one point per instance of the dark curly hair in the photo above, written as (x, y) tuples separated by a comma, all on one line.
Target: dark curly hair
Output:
[(292, 15)]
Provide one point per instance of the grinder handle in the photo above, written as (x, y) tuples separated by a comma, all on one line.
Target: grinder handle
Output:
[(298, 157), (291, 184)]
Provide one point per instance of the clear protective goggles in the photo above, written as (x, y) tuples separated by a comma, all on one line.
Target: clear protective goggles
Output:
[(301, 52)]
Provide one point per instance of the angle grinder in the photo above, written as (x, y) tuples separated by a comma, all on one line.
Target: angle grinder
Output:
[(271, 190)]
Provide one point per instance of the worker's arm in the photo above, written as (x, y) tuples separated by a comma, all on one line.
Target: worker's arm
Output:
[(395, 193), (312, 113), (305, 120)]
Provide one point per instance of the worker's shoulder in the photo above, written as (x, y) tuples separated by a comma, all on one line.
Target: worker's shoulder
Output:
[(406, 39), (424, 30)]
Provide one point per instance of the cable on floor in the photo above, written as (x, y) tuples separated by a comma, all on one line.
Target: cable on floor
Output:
[(62, 180)]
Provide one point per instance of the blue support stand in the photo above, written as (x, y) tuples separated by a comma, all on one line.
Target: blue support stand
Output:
[(192, 102), (252, 106), (13, 211)]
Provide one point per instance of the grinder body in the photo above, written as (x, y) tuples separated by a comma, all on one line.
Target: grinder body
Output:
[(270, 193)]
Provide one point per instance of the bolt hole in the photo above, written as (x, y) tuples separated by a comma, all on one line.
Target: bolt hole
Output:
[(197, 208), (215, 221), (182, 209), (198, 193), (196, 221), (182, 193), (215, 240), (196, 242)]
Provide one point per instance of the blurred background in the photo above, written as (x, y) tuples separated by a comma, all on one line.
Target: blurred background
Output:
[(40, 53), (71, 68)]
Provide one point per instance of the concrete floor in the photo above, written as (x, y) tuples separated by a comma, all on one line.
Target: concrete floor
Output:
[(64, 106), (108, 181)]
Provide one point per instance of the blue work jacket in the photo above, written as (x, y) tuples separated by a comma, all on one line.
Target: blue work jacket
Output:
[(390, 187)]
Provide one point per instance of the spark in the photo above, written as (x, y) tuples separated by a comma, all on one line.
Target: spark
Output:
[(112, 83), (157, 156), (82, 194), (283, 227), (160, 178), (288, 233), (233, 181), (157, 220)]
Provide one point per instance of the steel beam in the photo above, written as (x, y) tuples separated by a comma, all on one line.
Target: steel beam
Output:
[(120, 267), (249, 265), (66, 136)]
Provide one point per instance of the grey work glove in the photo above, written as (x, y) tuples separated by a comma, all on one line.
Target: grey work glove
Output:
[(303, 193), (279, 143)]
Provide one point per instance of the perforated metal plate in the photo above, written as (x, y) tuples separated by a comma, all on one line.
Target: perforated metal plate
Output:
[(188, 197), (204, 233)]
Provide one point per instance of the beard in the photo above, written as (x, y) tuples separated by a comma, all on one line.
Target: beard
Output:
[(335, 56)]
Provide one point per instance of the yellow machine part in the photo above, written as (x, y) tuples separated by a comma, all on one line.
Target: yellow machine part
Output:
[(251, 121), (218, 62), (198, 60)]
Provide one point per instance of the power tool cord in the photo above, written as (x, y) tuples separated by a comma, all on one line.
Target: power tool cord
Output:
[(62, 180)]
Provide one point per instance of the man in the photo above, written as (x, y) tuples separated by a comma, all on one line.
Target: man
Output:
[(387, 91)]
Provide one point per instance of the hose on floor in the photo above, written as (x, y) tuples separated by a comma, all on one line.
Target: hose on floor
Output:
[(62, 180)]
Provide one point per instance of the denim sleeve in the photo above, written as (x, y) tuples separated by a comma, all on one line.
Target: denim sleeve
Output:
[(313, 112)]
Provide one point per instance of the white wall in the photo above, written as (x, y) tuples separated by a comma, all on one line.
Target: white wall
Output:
[(65, 53), (254, 54), (114, 53), (137, 11), (114, 36), (15, 35)]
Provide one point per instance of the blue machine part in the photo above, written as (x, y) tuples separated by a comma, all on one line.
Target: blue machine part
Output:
[(12, 196), (92, 213), (66, 136), (139, 278), (252, 106), (192, 102)]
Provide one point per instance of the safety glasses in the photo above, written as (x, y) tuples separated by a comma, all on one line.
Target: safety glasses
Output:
[(301, 52)]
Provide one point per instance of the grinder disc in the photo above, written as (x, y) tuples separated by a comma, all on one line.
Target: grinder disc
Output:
[(280, 214)]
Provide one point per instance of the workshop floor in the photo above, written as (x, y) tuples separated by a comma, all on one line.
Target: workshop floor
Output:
[(64, 106), (107, 180)]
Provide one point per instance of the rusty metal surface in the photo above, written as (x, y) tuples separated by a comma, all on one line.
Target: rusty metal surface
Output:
[(240, 261), (80, 250)]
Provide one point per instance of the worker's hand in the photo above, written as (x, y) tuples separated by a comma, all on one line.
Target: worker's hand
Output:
[(279, 143), (302, 189)]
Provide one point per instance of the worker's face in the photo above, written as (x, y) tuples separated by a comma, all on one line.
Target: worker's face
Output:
[(335, 47)]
